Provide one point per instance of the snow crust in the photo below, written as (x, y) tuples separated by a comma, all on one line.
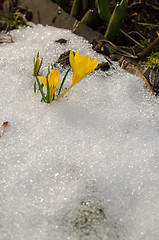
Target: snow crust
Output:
[(86, 167)]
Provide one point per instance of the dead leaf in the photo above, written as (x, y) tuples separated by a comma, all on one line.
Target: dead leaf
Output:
[(133, 68), (3, 128)]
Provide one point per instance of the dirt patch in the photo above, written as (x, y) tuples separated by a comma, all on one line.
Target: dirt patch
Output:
[(61, 41), (64, 59)]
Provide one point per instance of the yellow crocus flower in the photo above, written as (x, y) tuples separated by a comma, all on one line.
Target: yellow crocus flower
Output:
[(82, 66), (53, 80)]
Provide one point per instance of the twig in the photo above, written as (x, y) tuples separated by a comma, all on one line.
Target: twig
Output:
[(118, 49), (152, 6), (148, 50), (131, 38), (132, 68), (137, 33), (148, 24), (134, 4)]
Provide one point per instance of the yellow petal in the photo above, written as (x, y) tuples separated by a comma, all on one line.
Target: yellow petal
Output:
[(81, 65), (52, 91), (43, 80), (77, 56), (72, 60), (54, 78), (51, 77), (57, 78), (92, 66), (77, 78)]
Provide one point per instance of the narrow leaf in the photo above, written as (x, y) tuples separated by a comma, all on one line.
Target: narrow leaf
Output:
[(48, 91), (35, 87), (117, 17), (40, 88), (103, 10), (63, 80)]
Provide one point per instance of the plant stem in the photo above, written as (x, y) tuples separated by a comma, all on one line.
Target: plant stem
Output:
[(40, 88), (48, 92), (63, 80), (35, 87), (148, 50), (61, 95)]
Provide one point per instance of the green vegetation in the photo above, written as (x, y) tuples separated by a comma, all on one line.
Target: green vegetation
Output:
[(13, 18), (87, 11), (152, 61)]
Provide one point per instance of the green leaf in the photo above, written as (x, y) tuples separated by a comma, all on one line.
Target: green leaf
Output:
[(40, 88), (63, 80), (103, 10), (89, 18), (35, 87), (48, 92), (116, 19)]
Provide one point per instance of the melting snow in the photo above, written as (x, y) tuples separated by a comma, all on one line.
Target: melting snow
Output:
[(86, 167)]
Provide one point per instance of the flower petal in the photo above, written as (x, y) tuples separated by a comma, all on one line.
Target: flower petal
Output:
[(43, 80), (78, 56), (54, 78), (81, 65), (92, 66), (57, 78), (51, 77), (72, 60), (85, 60)]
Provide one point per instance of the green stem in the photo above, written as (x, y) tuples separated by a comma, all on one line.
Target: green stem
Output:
[(61, 95), (35, 87), (35, 66), (48, 92), (63, 81), (40, 88)]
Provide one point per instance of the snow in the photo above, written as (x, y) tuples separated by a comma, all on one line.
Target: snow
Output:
[(85, 167)]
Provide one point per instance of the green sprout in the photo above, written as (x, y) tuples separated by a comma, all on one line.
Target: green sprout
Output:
[(113, 20), (62, 83), (116, 19)]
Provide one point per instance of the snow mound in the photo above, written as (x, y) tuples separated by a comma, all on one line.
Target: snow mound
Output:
[(85, 167)]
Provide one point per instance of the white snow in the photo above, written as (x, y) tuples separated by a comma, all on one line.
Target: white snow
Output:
[(86, 167)]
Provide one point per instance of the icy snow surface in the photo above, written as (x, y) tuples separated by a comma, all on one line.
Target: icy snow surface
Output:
[(85, 167)]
